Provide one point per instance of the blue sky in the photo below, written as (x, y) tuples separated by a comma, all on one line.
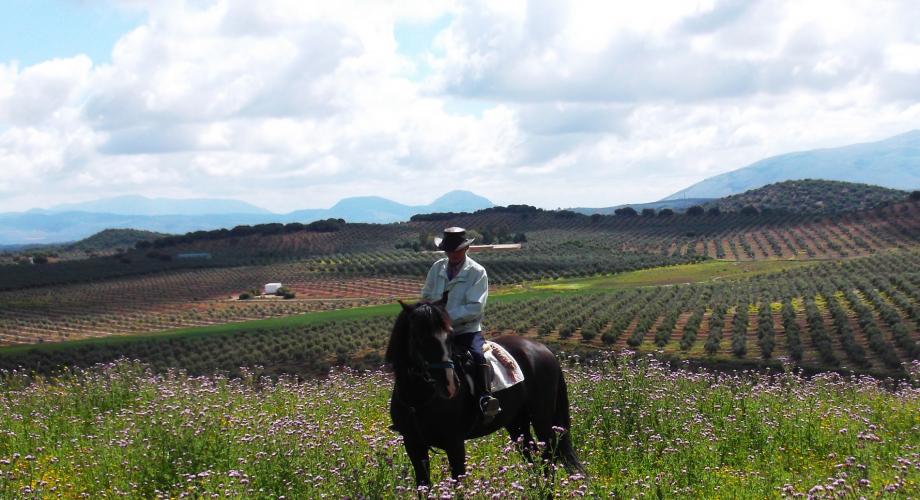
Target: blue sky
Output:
[(32, 31), (554, 104)]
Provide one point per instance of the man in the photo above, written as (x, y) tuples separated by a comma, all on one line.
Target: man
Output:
[(464, 285)]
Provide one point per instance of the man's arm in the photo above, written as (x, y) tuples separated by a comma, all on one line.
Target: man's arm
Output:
[(430, 281), (475, 303)]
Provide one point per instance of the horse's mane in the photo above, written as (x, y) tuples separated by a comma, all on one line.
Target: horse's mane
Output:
[(398, 348)]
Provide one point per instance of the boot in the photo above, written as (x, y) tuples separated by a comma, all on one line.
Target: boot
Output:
[(488, 404)]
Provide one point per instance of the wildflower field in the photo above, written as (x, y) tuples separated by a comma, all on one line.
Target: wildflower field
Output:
[(641, 430)]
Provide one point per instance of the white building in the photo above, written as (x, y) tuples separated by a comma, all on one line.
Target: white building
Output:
[(271, 288)]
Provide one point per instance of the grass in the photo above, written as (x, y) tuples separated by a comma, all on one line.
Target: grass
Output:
[(711, 270), (639, 428)]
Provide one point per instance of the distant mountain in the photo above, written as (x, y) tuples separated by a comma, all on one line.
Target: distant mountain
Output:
[(812, 197), (892, 163), (141, 205), (382, 210), (678, 205), (457, 201), (37, 227), (46, 226)]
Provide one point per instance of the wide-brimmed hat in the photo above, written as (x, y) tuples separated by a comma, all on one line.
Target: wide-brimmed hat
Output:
[(454, 239)]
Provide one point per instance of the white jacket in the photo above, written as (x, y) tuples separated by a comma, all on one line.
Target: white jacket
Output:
[(468, 292)]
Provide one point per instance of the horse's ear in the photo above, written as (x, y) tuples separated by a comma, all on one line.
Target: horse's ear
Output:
[(406, 307)]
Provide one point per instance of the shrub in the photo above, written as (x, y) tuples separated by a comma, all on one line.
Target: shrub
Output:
[(665, 212), (714, 211), (626, 212), (749, 210), (915, 196), (648, 212), (245, 296), (695, 210)]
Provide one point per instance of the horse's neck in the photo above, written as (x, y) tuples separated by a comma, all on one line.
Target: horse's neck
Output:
[(412, 389)]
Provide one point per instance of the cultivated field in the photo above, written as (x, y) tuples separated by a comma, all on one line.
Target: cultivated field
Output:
[(859, 315), (103, 296)]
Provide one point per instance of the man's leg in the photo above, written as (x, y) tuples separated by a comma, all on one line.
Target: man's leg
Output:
[(483, 374)]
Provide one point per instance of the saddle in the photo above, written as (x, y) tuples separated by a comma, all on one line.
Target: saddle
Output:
[(506, 372)]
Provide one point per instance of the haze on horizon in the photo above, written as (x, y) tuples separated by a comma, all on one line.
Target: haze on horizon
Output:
[(300, 104)]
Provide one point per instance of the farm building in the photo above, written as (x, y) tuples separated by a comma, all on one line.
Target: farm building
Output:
[(271, 288)]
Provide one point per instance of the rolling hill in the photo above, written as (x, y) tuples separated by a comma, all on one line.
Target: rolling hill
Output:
[(892, 163), (812, 197), (677, 205)]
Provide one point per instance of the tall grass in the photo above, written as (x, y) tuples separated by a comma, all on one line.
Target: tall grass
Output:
[(640, 429)]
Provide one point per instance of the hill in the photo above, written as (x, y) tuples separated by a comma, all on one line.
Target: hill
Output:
[(678, 205), (105, 242), (110, 239), (812, 196), (892, 163)]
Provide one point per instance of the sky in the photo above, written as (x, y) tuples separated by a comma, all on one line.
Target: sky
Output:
[(292, 104)]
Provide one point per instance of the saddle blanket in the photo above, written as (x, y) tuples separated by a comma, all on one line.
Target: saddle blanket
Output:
[(506, 371)]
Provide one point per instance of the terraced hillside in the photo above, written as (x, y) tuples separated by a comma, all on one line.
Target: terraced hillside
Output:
[(861, 314), (731, 236), (727, 236), (173, 299)]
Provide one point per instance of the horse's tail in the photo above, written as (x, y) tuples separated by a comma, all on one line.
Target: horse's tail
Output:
[(564, 449)]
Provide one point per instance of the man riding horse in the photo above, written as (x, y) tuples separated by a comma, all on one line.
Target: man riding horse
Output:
[(463, 285)]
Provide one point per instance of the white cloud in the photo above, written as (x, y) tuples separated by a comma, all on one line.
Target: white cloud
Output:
[(579, 103)]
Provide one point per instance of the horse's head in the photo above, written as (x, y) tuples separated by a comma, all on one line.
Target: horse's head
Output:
[(420, 345)]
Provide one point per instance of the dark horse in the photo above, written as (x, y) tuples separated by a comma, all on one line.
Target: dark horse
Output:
[(424, 412)]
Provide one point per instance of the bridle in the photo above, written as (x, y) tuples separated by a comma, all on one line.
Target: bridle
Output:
[(420, 368)]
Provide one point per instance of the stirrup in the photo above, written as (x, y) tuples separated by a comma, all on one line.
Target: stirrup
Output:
[(490, 406)]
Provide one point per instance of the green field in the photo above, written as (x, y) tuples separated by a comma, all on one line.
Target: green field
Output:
[(712, 270)]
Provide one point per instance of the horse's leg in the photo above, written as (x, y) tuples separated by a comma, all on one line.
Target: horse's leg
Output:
[(519, 430), (456, 455), (542, 407), (418, 455)]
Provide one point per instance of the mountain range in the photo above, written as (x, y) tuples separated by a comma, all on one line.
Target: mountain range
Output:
[(140, 205), (73, 222), (892, 163)]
